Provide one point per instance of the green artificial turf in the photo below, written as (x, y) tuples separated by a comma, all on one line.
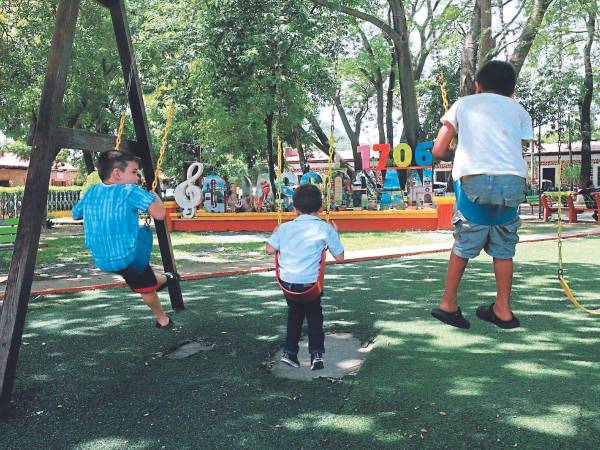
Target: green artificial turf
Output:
[(90, 373)]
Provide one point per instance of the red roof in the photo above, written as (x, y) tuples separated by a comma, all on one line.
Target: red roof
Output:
[(13, 161)]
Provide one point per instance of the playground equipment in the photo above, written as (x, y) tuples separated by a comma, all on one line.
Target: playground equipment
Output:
[(48, 136)]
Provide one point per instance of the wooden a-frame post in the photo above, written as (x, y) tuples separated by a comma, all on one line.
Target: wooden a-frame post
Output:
[(47, 140)]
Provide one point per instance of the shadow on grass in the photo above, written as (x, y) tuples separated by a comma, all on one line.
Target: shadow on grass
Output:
[(90, 375)]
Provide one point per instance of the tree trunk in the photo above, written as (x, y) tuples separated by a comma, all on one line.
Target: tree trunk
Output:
[(88, 159), (376, 79), (389, 106), (353, 135), (399, 36), (529, 33), (270, 158), (468, 59), (322, 142), (408, 95), (586, 103), (299, 147), (486, 44)]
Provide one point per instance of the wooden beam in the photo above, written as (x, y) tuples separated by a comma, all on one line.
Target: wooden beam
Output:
[(20, 274), (74, 139), (93, 142), (144, 147)]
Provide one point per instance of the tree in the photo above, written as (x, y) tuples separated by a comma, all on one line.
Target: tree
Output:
[(591, 8)]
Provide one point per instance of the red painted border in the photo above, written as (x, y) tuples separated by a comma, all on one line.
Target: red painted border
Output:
[(232, 273)]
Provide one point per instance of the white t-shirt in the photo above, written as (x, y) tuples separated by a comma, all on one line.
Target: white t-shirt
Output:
[(491, 129), (300, 243)]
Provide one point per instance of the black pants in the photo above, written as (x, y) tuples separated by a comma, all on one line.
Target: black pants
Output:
[(313, 312)]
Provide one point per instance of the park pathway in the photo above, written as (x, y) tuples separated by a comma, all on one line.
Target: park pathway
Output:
[(89, 279)]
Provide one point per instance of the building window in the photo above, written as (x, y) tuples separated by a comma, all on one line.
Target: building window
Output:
[(4, 183)]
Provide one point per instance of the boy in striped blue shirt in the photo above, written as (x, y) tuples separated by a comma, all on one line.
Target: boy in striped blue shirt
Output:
[(110, 213)]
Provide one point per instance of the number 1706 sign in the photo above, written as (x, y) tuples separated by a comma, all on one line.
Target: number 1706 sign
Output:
[(402, 156)]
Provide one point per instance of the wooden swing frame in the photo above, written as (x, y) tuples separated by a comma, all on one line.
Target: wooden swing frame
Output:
[(47, 139)]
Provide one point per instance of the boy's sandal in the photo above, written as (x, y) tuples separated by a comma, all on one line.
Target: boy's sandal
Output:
[(172, 278), (454, 319), (485, 312), (165, 327)]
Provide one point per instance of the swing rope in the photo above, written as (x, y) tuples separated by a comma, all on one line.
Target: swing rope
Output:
[(163, 147), (336, 93), (279, 180), (279, 100), (330, 159), (123, 112), (444, 92), (561, 271)]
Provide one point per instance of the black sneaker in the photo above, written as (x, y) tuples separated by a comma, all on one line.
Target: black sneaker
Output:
[(172, 278), (316, 361), (290, 359)]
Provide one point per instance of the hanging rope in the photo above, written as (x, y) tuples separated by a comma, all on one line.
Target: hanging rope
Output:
[(279, 180), (336, 93), (560, 272), (163, 147), (444, 92), (330, 160), (124, 112), (279, 101)]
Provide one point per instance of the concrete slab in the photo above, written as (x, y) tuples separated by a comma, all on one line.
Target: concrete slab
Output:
[(344, 356)]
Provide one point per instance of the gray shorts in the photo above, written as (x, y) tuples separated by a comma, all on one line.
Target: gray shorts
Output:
[(501, 190), (498, 241)]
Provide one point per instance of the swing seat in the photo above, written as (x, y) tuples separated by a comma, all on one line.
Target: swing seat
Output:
[(482, 214), (312, 293), (571, 297)]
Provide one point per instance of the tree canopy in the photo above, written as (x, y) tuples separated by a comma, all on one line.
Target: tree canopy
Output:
[(242, 73)]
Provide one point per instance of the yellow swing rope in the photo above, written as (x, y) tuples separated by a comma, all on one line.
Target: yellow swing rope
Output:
[(163, 147), (279, 180), (123, 112), (560, 273), (444, 92), (329, 169), (120, 131)]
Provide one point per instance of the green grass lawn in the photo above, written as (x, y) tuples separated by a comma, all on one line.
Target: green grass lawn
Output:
[(192, 246), (238, 246), (90, 375)]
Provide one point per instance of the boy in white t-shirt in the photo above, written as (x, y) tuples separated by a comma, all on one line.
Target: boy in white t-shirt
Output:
[(489, 174), (300, 244)]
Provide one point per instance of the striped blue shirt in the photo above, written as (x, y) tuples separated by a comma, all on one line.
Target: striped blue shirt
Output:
[(110, 222), (300, 243)]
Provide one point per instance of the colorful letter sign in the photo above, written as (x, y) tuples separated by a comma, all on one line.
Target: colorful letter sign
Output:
[(402, 155)]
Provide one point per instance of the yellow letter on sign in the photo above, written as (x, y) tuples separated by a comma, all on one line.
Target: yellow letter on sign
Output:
[(402, 155)]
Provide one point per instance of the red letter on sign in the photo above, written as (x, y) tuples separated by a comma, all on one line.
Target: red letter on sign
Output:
[(365, 153), (383, 157)]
